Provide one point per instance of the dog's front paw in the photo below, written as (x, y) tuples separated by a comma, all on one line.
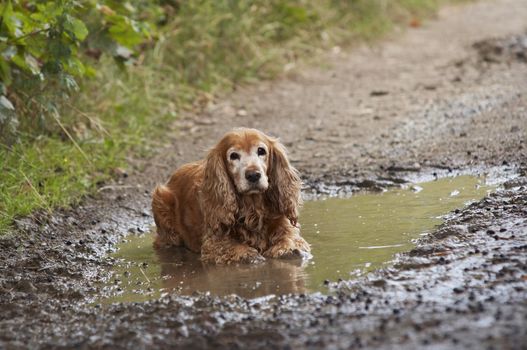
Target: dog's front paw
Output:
[(302, 245), (246, 255), (290, 254), (283, 251), (289, 249), (253, 259)]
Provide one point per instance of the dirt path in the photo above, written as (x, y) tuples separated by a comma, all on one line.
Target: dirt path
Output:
[(427, 102), (424, 98)]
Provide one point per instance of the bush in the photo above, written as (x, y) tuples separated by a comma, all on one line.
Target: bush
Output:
[(45, 46)]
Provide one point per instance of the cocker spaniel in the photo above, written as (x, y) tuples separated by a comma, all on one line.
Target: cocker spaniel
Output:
[(240, 204)]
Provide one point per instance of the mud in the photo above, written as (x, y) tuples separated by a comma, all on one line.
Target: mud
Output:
[(503, 49), (444, 109)]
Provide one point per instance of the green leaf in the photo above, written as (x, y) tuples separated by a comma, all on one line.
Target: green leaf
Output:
[(76, 27), (19, 60), (5, 72), (51, 10), (11, 22), (89, 71), (75, 67), (36, 45), (26, 62), (125, 31), (59, 50)]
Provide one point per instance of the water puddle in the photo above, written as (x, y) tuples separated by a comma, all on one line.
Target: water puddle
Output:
[(348, 236)]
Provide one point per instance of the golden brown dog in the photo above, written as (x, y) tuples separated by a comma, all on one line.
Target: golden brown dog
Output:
[(240, 204)]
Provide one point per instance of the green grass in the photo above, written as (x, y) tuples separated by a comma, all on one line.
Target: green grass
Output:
[(210, 47), (48, 173)]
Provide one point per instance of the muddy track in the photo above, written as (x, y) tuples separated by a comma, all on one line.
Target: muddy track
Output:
[(447, 97)]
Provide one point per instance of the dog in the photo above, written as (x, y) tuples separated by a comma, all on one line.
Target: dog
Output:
[(238, 205)]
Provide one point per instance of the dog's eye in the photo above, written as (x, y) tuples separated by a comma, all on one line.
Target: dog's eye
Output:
[(261, 151), (234, 156)]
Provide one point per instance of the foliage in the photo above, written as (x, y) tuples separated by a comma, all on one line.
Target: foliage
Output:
[(45, 46)]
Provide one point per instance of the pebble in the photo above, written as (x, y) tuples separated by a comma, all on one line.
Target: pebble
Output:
[(241, 113)]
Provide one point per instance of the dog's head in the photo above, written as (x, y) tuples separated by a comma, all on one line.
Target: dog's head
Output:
[(248, 162), (246, 154)]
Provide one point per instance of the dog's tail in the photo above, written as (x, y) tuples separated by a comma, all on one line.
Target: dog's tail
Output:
[(164, 208)]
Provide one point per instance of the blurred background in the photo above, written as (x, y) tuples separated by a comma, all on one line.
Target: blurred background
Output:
[(86, 83)]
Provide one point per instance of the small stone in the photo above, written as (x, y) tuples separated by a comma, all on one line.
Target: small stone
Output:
[(183, 331), (241, 113), (120, 172)]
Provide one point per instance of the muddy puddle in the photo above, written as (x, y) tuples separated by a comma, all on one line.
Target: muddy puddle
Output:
[(349, 237)]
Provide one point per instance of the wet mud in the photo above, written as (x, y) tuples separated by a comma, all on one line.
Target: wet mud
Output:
[(444, 110), (500, 50)]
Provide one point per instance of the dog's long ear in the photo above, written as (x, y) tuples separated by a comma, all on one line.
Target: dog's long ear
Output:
[(218, 198), (284, 183)]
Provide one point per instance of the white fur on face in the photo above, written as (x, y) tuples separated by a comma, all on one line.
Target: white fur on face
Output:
[(240, 162)]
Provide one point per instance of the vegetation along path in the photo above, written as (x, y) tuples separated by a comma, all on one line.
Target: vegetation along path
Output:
[(449, 96)]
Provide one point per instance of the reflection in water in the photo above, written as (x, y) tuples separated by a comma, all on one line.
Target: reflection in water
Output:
[(348, 237), (188, 274)]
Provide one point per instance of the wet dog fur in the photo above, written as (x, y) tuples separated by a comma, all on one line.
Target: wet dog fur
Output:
[(239, 204)]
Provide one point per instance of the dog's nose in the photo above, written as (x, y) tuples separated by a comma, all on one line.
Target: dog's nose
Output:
[(253, 176)]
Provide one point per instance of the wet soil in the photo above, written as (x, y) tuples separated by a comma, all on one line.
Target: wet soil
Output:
[(420, 105)]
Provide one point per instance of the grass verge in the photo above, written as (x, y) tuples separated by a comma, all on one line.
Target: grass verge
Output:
[(210, 47)]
